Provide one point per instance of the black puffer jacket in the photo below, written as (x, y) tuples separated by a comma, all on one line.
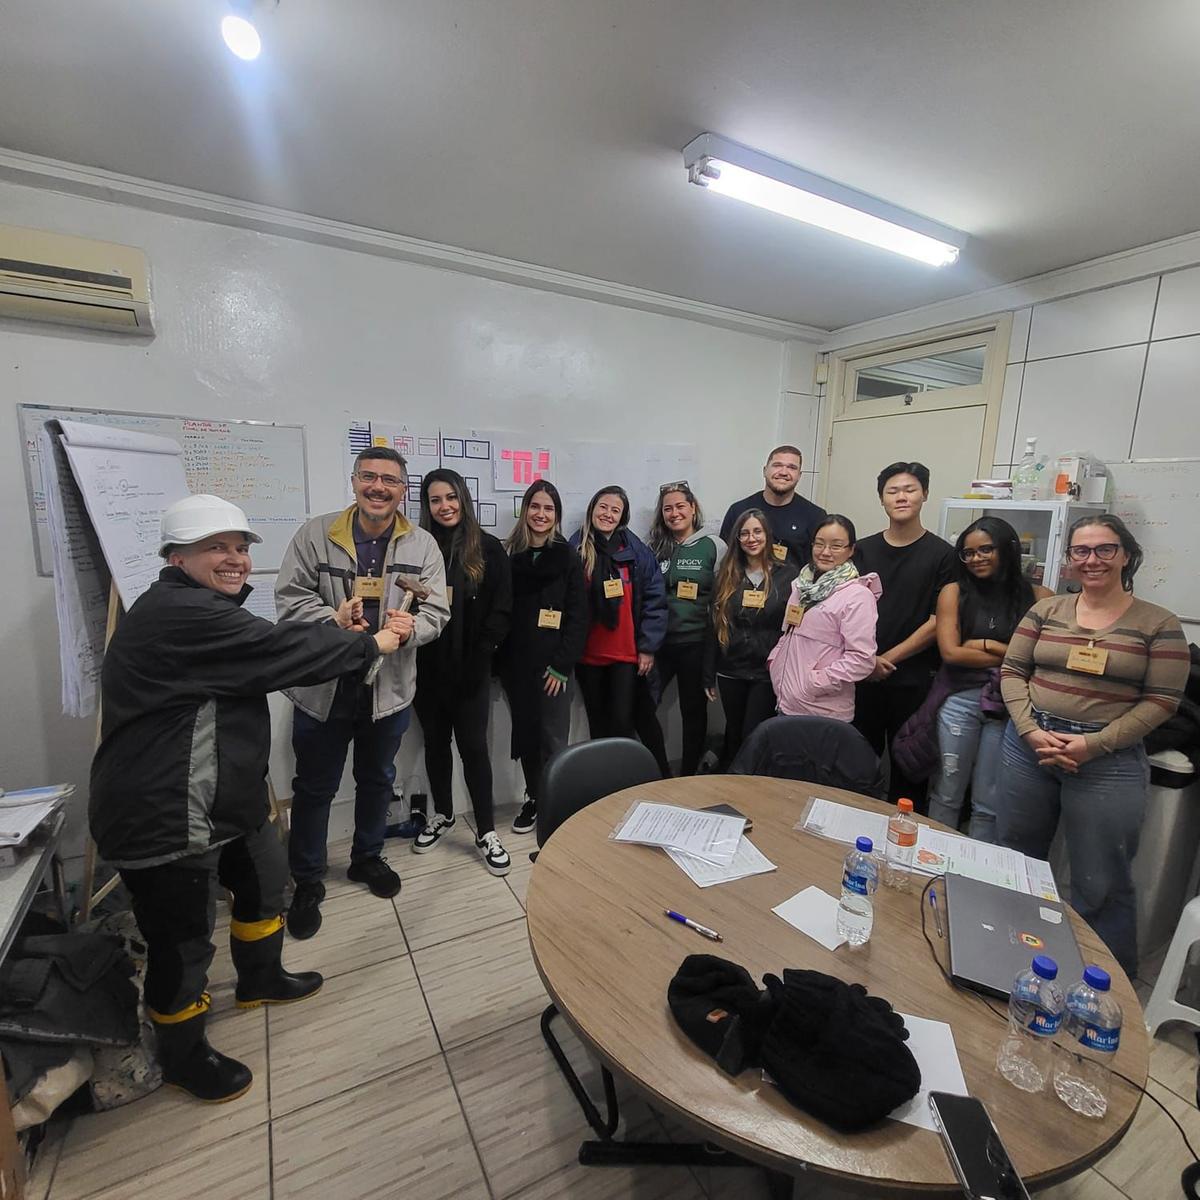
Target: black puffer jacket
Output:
[(753, 632), (186, 734)]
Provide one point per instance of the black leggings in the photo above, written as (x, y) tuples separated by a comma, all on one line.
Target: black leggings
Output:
[(608, 696), (747, 703), (683, 661), (463, 714)]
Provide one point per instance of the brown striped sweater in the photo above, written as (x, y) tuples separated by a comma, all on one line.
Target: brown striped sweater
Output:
[(1141, 686)]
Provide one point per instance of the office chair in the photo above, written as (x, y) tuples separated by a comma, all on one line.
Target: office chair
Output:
[(815, 749)]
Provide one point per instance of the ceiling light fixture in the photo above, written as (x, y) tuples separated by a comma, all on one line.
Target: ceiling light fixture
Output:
[(241, 37), (730, 169)]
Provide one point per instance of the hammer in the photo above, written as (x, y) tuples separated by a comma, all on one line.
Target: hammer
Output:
[(412, 591)]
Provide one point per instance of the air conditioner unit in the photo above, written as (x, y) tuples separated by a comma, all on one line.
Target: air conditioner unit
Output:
[(73, 281)]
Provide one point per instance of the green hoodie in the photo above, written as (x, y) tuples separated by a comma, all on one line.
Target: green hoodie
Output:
[(695, 561)]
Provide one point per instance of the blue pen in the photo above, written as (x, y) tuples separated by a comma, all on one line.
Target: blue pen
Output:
[(937, 913), (701, 929)]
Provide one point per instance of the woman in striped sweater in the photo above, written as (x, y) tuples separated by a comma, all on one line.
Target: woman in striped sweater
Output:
[(1086, 677)]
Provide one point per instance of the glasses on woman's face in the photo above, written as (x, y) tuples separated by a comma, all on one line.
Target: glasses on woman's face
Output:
[(977, 552), (833, 547), (1105, 552)]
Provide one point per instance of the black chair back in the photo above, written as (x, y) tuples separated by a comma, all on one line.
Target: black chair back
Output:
[(817, 749), (587, 771)]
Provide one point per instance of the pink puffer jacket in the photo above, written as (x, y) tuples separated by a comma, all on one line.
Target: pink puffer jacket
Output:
[(815, 665)]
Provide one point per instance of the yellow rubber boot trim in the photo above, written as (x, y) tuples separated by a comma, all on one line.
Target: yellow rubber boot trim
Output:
[(184, 1014), (255, 931)]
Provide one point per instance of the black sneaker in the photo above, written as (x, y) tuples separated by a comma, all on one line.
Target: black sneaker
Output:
[(377, 875), (433, 833), (304, 915), (494, 855), (526, 819)]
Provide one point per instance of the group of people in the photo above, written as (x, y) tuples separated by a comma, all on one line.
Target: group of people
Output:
[(947, 658)]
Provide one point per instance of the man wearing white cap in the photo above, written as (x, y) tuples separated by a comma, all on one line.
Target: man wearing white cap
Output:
[(178, 789)]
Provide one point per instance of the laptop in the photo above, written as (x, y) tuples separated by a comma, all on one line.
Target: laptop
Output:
[(995, 933)]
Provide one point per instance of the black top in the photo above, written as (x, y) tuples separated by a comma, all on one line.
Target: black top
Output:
[(912, 576), (792, 524), (753, 632)]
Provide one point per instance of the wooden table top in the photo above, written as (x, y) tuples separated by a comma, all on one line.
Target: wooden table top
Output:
[(606, 954)]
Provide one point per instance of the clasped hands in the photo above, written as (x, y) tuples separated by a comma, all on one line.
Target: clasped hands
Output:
[(349, 615), (1066, 750)]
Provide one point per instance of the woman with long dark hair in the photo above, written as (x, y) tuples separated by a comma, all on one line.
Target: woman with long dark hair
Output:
[(454, 673), (976, 616), (627, 612), (549, 628), (749, 601), (1086, 677)]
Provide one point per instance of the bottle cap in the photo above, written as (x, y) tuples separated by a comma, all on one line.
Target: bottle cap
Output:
[(865, 845), (904, 804), (1045, 966), (1097, 977)]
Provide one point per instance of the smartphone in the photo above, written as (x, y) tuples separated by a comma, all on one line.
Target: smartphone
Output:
[(975, 1150), (729, 811)]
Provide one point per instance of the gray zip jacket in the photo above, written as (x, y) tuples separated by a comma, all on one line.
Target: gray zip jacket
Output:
[(318, 574)]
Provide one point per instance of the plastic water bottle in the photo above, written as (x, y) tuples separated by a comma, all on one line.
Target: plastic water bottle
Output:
[(1035, 1011), (1082, 1070), (901, 845), (860, 878), (1026, 478)]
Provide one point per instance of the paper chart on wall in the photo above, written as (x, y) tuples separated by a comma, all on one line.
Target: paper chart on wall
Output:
[(492, 462), (420, 447)]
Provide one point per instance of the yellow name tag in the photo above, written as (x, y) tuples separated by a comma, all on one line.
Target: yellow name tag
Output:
[(687, 589), (368, 587), (794, 614), (613, 588), (1087, 659), (754, 599), (549, 618), (780, 551)]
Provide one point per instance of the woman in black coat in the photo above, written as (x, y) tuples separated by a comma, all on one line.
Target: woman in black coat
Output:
[(549, 628), (454, 673)]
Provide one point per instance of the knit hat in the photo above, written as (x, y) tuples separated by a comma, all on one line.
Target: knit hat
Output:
[(717, 1004)]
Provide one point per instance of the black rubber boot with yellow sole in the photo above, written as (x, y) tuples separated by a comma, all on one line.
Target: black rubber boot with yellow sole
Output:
[(261, 977), (190, 1063)]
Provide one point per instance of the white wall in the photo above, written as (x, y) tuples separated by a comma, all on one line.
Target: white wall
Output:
[(257, 326)]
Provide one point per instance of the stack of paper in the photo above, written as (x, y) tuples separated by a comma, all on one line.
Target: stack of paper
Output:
[(22, 812), (748, 860), (844, 822)]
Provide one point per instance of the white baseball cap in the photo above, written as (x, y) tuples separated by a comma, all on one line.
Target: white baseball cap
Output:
[(194, 518)]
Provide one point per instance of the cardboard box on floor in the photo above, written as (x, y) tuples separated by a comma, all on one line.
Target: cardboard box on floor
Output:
[(12, 1161)]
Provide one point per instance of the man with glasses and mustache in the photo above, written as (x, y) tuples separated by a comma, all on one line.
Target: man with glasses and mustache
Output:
[(352, 568)]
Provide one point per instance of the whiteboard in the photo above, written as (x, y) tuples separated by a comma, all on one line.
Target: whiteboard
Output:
[(1159, 502), (259, 467)]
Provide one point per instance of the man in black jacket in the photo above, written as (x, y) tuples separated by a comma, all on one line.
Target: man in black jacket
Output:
[(178, 788)]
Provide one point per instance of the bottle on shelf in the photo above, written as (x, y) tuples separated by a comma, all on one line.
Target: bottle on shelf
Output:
[(1082, 1063), (860, 878), (1026, 480), (901, 846), (1035, 1011)]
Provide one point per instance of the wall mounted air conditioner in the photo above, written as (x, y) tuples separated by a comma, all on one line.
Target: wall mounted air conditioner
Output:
[(73, 281)]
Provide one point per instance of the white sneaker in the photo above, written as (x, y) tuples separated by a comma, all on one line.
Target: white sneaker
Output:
[(432, 833), (494, 855)]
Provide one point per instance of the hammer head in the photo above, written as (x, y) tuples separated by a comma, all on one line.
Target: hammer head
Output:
[(413, 590)]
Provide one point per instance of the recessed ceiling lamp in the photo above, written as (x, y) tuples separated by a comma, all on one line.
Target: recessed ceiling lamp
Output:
[(734, 170), (239, 31)]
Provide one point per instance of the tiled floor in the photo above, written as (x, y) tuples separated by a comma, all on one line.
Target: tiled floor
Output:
[(419, 1072)]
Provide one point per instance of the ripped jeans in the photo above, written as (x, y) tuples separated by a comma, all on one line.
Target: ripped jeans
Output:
[(968, 753)]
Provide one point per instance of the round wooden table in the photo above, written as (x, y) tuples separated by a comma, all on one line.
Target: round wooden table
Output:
[(606, 954)]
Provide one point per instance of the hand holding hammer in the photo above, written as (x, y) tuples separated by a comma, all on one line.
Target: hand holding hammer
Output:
[(400, 620)]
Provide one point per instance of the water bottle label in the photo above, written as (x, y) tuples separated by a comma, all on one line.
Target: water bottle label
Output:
[(854, 883), (1045, 1024), (1096, 1038)]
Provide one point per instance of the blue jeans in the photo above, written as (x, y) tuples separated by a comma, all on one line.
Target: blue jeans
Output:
[(969, 752), (1102, 804), (320, 748)]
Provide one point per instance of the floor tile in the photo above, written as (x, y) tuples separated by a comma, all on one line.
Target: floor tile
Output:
[(446, 905), (37, 1186), (478, 984), (718, 1183), (1147, 1162), (1174, 1059), (455, 849), (518, 879), (109, 1148), (361, 1025), (399, 1136), (1086, 1186)]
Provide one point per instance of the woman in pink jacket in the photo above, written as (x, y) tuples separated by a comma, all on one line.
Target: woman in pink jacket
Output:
[(828, 641)]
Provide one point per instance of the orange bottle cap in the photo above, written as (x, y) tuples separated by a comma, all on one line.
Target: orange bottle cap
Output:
[(904, 804)]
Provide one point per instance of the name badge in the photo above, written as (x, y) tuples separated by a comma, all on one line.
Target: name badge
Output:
[(794, 614), (613, 588), (780, 551), (549, 618), (449, 595), (368, 587), (754, 599), (1087, 659), (687, 589)]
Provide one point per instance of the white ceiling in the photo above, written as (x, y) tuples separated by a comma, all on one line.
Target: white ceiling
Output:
[(549, 131)]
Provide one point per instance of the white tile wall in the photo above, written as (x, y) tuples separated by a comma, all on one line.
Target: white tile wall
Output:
[(1116, 316), (1178, 312), (1167, 424), (1082, 402), (1007, 430), (1019, 342)]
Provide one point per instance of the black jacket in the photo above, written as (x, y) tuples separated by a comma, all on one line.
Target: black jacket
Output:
[(186, 733), (461, 657), (753, 632)]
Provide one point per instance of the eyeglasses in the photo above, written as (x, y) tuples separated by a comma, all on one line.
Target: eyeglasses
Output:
[(369, 477), (680, 485), (836, 547), (978, 552), (1105, 552)]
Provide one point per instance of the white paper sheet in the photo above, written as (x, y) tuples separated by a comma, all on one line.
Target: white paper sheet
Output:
[(16, 824), (37, 795), (261, 601), (845, 823), (942, 853), (748, 860), (712, 837), (814, 913), (932, 1045)]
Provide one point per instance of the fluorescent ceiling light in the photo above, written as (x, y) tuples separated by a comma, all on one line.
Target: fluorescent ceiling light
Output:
[(241, 37), (733, 170)]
